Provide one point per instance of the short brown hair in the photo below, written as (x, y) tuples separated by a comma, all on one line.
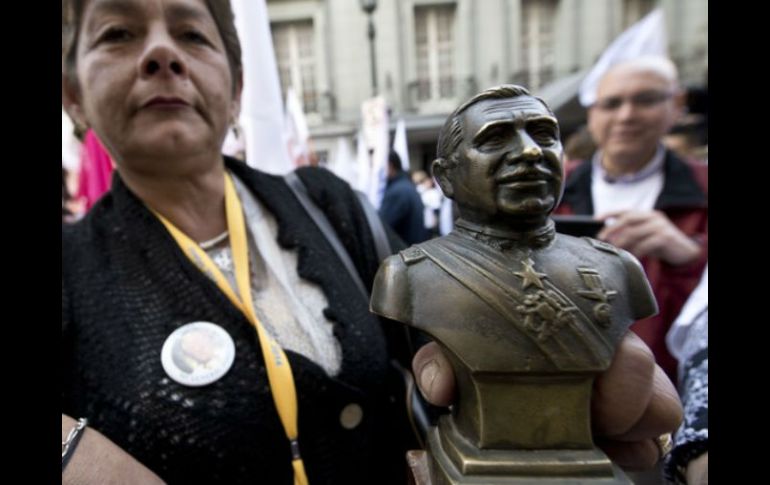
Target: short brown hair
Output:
[(72, 16), (451, 133)]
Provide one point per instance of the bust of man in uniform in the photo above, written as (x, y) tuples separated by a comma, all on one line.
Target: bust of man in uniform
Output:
[(527, 317)]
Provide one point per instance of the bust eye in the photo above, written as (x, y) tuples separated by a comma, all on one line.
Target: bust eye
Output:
[(494, 138), (543, 133)]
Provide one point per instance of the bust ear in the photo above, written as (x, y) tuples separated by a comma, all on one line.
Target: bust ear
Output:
[(441, 171)]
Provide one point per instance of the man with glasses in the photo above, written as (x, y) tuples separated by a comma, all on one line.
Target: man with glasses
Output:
[(653, 203)]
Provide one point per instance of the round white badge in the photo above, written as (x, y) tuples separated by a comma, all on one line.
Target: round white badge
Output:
[(197, 354)]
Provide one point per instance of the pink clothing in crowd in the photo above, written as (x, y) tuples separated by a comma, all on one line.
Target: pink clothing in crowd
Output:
[(95, 170)]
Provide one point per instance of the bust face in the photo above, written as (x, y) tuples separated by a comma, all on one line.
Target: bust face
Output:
[(509, 161)]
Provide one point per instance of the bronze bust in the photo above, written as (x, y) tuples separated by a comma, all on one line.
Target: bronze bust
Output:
[(527, 317)]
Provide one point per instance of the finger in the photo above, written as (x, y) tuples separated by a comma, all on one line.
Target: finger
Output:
[(616, 225), (604, 233), (663, 240), (611, 231), (631, 234), (613, 221), (610, 215), (434, 375), (636, 455), (629, 217), (622, 393), (663, 414), (646, 246), (698, 470)]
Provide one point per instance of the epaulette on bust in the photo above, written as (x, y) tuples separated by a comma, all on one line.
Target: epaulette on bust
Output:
[(412, 255), (602, 246)]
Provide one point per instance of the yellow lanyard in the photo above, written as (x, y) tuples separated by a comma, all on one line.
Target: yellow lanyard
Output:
[(278, 368)]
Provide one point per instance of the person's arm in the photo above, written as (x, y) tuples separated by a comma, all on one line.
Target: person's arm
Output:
[(97, 460), (698, 470), (633, 401), (688, 462)]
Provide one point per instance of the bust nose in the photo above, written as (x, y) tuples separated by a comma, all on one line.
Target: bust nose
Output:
[(532, 152), (525, 150)]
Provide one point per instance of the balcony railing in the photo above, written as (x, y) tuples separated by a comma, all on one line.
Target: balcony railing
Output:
[(422, 97), (533, 79)]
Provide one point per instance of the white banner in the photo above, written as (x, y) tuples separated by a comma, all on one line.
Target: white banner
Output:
[(262, 117), (343, 164), (296, 132), (374, 113), (400, 145)]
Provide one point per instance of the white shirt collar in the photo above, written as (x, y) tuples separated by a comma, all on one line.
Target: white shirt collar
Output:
[(654, 166)]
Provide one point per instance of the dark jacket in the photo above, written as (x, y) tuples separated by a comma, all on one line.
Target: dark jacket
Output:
[(403, 210), (126, 286), (684, 200)]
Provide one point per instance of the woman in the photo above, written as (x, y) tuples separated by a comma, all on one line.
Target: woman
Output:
[(181, 238)]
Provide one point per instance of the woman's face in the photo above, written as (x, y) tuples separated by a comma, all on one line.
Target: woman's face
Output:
[(154, 81)]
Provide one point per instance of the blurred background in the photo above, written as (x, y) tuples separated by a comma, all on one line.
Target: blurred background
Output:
[(343, 81)]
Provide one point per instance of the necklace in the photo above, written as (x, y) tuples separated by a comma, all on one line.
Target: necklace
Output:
[(205, 245)]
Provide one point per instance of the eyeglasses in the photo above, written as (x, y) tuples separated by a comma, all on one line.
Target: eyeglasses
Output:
[(647, 99)]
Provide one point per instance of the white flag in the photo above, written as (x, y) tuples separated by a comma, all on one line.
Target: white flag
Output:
[(296, 133), (400, 145), (261, 102), (645, 38), (343, 164), (363, 163), (374, 113)]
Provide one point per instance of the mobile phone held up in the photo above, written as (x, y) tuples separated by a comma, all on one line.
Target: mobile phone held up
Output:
[(577, 225)]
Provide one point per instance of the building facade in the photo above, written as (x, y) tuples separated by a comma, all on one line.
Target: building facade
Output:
[(433, 54)]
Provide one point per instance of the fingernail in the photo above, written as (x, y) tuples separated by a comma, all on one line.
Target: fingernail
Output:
[(427, 376)]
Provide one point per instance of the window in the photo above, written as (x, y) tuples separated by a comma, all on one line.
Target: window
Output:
[(634, 10), (434, 38), (538, 41), (295, 56)]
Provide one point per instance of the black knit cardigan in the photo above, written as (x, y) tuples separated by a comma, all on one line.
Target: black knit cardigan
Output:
[(126, 286)]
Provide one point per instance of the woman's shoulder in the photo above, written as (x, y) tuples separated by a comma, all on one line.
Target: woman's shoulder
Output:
[(95, 228), (320, 178), (330, 193)]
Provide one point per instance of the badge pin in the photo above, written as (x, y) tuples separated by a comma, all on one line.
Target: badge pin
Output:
[(197, 354)]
